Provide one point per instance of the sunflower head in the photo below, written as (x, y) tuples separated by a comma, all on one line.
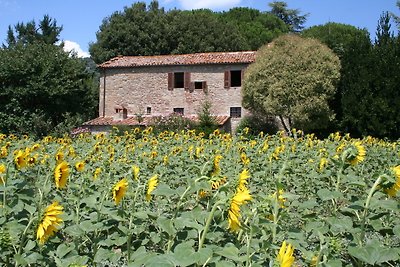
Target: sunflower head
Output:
[(357, 154), (240, 198), (285, 255), (119, 190), (80, 166), (50, 222), (392, 191), (61, 173), (136, 171), (244, 175), (151, 185), (20, 159)]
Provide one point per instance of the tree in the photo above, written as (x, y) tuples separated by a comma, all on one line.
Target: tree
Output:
[(42, 87), (395, 17), (292, 78), (47, 32), (353, 47), (372, 108), (291, 17), (257, 28), (149, 30)]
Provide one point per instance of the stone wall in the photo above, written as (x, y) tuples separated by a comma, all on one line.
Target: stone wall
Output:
[(140, 88)]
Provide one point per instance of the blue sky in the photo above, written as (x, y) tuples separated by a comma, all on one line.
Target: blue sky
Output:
[(81, 18)]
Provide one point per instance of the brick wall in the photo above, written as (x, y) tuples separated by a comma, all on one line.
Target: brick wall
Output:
[(139, 88)]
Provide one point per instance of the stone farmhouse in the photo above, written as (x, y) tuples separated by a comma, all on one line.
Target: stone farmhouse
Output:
[(135, 89)]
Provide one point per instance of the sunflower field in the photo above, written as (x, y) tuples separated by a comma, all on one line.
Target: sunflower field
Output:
[(179, 199)]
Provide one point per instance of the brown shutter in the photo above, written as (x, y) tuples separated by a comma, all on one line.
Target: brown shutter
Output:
[(227, 79), (204, 86), (242, 76), (170, 80), (186, 80), (191, 87)]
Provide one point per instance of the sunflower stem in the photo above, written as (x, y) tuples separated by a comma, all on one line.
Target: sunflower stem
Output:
[(208, 222), (23, 237), (366, 207)]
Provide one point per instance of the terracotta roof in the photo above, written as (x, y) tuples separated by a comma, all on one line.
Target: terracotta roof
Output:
[(187, 59), (132, 121)]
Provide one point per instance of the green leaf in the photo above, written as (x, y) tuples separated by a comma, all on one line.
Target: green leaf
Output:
[(230, 252), (325, 194), (63, 250), (30, 245), (396, 230), (184, 254), (340, 225), (333, 263), (166, 225), (374, 253), (163, 190)]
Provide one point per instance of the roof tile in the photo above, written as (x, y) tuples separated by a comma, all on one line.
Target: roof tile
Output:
[(187, 59), (132, 121)]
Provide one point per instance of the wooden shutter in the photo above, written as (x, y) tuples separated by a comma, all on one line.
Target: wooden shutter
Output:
[(186, 80), (227, 79), (191, 87), (170, 81), (204, 86), (241, 78)]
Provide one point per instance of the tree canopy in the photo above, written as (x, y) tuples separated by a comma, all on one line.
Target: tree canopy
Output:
[(291, 17), (22, 34), (150, 30), (42, 87), (293, 78)]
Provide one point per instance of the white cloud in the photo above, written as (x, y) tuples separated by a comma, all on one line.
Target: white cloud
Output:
[(69, 46), (211, 4)]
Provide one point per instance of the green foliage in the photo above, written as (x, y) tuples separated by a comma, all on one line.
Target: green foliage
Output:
[(258, 123), (41, 86), (291, 17), (333, 214), (206, 122), (257, 28), (353, 47), (172, 122), (47, 32), (293, 78), (150, 30)]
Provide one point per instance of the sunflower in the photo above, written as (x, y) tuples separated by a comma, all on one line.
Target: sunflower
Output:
[(279, 196), (20, 159), (392, 191), (151, 185), (285, 255), (240, 198), (3, 152), (80, 166), (59, 156), (136, 171), (3, 169), (360, 155), (244, 175), (216, 168), (119, 190), (61, 173), (96, 173), (50, 222)]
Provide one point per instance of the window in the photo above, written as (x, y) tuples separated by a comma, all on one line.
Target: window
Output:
[(179, 111), (198, 85), (236, 78), (236, 112), (148, 110), (233, 78), (179, 80)]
